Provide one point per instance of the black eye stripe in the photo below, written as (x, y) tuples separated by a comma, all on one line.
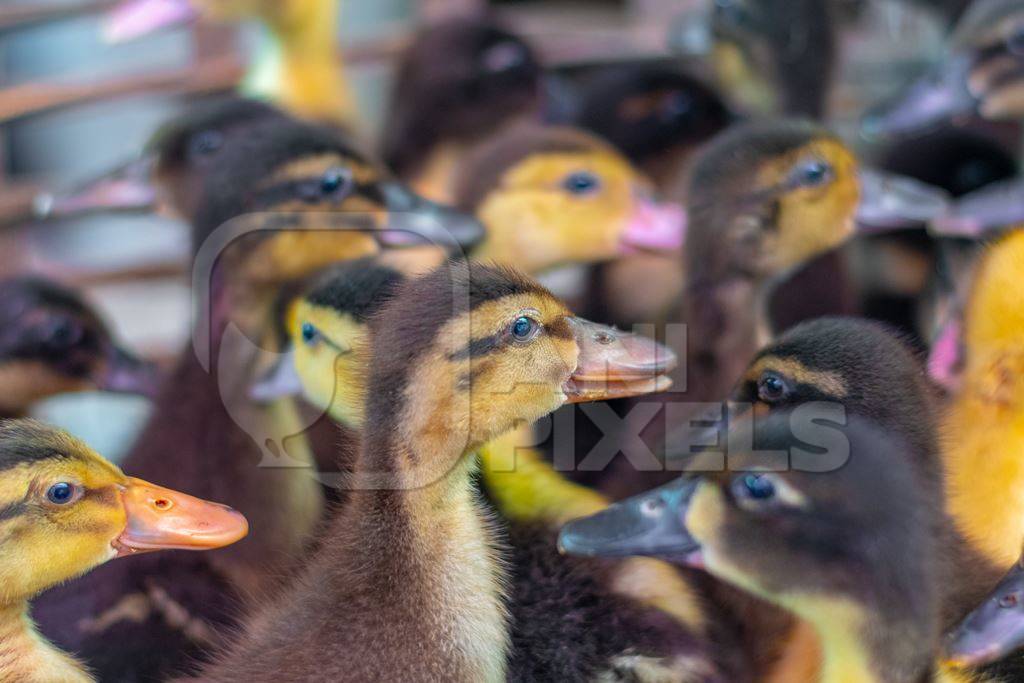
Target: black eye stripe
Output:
[(478, 347), (291, 190), (12, 510)]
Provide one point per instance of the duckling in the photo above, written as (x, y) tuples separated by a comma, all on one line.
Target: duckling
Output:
[(983, 426), (412, 557), (845, 541), (282, 178), (775, 57), (557, 607), (64, 510), (458, 83), (981, 76), (300, 68), (52, 342), (993, 630)]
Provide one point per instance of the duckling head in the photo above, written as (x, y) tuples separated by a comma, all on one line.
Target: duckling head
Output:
[(468, 352), (554, 196), (64, 510), (993, 332), (850, 549), (767, 197), (52, 342), (774, 56), (647, 110), (459, 80), (299, 197)]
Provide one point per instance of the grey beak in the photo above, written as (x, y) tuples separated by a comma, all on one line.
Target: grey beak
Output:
[(281, 381), (413, 220), (893, 202)]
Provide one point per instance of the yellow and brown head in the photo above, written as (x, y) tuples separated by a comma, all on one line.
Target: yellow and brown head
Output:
[(468, 352), (64, 510), (767, 197), (555, 196), (52, 342), (846, 543)]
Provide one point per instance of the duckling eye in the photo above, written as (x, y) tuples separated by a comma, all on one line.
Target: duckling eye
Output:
[(753, 488), (334, 180), (62, 493), (771, 388), (310, 335), (814, 173), (523, 329), (581, 183), (205, 144)]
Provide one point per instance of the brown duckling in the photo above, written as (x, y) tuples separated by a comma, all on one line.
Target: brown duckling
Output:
[(845, 539), (64, 510), (412, 557), (52, 342), (277, 180), (570, 618), (459, 82)]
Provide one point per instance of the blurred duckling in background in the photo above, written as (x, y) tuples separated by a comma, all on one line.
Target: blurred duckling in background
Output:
[(981, 76), (397, 565), (52, 342), (570, 618), (984, 425), (774, 57), (64, 510), (301, 198), (458, 84), (846, 541), (300, 68)]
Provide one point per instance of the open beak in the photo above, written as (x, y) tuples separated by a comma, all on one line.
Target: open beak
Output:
[(281, 381), (415, 221), (127, 374), (932, 100), (125, 189), (616, 364), (993, 630), (984, 212), (648, 524), (134, 19), (893, 202), (162, 519), (654, 226)]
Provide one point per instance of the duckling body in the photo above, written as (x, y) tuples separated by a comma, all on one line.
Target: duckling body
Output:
[(59, 494), (51, 342)]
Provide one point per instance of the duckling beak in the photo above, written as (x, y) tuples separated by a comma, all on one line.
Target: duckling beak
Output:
[(983, 212), (280, 381), (135, 19), (415, 221), (616, 364), (126, 188), (127, 374), (937, 97), (945, 360), (162, 519), (648, 524), (654, 226), (993, 630), (893, 202)]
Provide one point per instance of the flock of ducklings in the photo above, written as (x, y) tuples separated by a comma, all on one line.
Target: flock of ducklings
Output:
[(403, 520)]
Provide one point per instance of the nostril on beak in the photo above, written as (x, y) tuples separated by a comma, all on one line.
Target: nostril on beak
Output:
[(162, 504), (603, 337)]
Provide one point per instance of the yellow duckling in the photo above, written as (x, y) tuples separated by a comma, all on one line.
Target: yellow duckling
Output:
[(64, 510)]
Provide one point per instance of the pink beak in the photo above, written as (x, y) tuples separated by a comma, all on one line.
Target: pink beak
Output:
[(134, 19), (944, 359), (655, 226)]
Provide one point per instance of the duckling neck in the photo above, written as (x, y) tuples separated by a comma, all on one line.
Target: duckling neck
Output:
[(301, 67), (431, 546), (25, 656)]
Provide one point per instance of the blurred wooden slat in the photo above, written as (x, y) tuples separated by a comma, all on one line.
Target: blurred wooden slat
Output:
[(25, 14)]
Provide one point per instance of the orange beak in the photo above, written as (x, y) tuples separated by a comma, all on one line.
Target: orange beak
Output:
[(162, 519), (616, 364)]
